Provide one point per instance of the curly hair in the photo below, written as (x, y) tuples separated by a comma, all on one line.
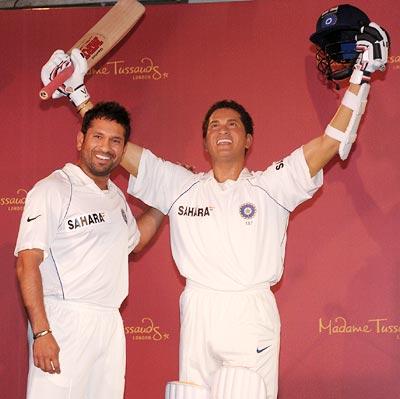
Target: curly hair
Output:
[(111, 111)]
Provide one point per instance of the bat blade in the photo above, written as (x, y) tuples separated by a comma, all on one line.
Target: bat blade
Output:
[(100, 39)]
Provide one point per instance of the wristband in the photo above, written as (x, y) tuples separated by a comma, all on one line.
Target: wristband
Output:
[(41, 333), (82, 106), (359, 77), (79, 96)]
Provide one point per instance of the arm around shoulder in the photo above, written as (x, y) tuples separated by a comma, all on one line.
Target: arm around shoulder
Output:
[(148, 223)]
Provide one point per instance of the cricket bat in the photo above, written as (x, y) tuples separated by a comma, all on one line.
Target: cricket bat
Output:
[(100, 39)]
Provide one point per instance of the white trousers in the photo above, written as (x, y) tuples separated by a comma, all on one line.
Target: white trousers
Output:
[(219, 328), (92, 354)]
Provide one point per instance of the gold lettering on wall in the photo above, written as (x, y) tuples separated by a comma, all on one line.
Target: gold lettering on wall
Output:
[(394, 61), (15, 202), (146, 331), (146, 69), (340, 325)]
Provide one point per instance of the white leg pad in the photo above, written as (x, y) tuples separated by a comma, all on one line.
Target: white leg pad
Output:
[(238, 383), (183, 390)]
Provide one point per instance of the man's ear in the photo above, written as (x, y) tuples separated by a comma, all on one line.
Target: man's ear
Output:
[(80, 138), (205, 145), (249, 140)]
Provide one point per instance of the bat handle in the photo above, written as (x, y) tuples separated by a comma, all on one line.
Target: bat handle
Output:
[(48, 90)]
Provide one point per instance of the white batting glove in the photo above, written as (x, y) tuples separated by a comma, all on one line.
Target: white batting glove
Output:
[(373, 44), (74, 87)]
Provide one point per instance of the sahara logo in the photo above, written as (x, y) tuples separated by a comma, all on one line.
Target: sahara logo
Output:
[(145, 69), (147, 330), (15, 202)]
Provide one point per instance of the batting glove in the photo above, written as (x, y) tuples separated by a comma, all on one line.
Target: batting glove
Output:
[(74, 87), (373, 45)]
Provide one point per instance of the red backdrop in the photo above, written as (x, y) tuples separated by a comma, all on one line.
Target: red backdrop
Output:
[(339, 298)]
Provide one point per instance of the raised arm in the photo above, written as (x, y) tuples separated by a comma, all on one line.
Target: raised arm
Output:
[(373, 45), (131, 158), (45, 347), (319, 151), (75, 90)]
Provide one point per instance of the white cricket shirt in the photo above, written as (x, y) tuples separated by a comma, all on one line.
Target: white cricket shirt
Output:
[(228, 236), (86, 234)]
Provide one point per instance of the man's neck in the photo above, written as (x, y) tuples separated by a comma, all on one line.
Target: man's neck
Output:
[(227, 170), (100, 181)]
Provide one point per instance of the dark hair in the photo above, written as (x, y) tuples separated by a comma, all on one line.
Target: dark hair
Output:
[(244, 115), (111, 111)]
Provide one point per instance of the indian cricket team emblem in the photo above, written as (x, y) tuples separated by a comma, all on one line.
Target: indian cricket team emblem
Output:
[(123, 213), (329, 20), (247, 210)]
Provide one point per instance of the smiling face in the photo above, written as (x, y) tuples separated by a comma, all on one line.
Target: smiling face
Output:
[(101, 149), (226, 137)]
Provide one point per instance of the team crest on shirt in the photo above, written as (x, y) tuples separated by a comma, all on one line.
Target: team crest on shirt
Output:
[(123, 213), (247, 210)]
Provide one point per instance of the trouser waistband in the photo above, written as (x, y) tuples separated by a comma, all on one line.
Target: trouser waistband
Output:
[(197, 286), (79, 305)]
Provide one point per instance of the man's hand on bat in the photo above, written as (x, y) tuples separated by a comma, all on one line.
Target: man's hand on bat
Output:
[(74, 87)]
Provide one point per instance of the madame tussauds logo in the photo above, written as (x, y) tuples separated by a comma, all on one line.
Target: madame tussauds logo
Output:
[(147, 330), (341, 326), (145, 69), (14, 202)]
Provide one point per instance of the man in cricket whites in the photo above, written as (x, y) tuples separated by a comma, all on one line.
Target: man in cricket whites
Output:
[(75, 236)]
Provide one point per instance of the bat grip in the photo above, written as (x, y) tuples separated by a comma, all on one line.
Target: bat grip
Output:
[(48, 90)]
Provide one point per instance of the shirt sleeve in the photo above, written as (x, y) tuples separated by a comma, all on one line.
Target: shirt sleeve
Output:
[(159, 183), (289, 182), (41, 218)]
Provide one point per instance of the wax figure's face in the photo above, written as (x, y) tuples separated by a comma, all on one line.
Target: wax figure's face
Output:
[(226, 137), (102, 148)]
